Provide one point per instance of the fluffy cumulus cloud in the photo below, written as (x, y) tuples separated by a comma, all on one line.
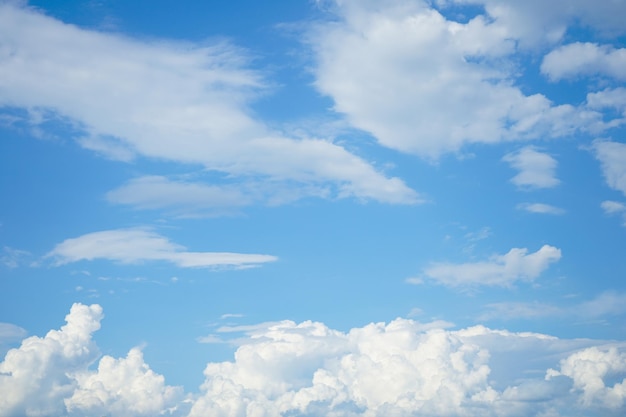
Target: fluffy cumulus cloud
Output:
[(586, 58), (50, 376), (499, 270), (187, 103), (400, 368), (377, 63), (589, 370), (122, 387), (138, 245), (536, 169)]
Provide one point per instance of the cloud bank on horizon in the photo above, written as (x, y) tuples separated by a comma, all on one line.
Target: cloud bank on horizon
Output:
[(306, 368), (473, 148)]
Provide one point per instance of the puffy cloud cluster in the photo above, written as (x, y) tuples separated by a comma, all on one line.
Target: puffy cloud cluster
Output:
[(308, 369), (50, 376), (122, 387), (423, 83), (34, 379), (589, 368), (402, 368)]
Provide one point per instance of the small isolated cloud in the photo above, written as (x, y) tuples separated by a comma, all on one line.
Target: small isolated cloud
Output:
[(577, 59), (499, 270), (536, 169), (130, 246), (612, 207), (612, 157), (540, 208), (231, 315)]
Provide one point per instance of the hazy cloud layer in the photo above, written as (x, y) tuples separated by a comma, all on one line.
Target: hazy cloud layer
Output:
[(286, 368), (129, 246)]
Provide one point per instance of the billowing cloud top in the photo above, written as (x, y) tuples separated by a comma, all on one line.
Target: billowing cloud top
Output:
[(402, 368)]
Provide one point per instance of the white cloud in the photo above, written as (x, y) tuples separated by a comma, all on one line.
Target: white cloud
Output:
[(377, 62), (537, 169), (122, 387), (612, 207), (402, 368), (535, 22), (50, 376), (612, 157), (181, 102), (499, 270), (34, 377), (579, 58), (608, 98), (589, 368), (540, 208), (139, 245), (158, 192)]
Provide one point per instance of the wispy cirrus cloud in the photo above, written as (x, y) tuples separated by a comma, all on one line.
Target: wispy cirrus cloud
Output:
[(128, 246), (187, 103)]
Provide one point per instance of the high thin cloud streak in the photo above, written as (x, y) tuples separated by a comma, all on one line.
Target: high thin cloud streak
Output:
[(139, 245), (309, 369), (185, 103), (540, 208), (499, 270)]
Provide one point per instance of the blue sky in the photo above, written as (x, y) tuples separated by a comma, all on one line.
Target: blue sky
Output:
[(267, 210)]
